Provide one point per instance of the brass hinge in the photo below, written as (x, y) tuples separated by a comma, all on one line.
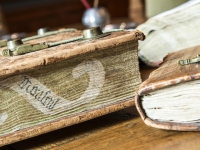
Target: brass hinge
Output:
[(42, 32), (17, 47), (189, 61)]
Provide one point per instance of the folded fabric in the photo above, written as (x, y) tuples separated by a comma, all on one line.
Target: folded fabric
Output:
[(170, 31)]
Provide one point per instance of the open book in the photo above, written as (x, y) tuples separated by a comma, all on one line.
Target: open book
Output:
[(170, 98), (170, 31)]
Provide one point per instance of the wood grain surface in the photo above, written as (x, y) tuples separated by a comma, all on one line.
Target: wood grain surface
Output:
[(121, 130)]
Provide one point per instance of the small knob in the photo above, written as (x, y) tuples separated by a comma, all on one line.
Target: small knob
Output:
[(13, 44), (42, 31), (93, 33)]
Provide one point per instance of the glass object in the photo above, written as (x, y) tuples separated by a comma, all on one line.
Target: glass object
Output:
[(96, 17)]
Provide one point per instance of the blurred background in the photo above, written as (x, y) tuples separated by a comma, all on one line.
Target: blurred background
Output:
[(23, 16)]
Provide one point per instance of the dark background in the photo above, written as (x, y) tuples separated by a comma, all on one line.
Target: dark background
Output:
[(28, 16)]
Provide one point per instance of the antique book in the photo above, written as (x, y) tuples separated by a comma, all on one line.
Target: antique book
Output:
[(170, 31), (62, 85), (169, 98)]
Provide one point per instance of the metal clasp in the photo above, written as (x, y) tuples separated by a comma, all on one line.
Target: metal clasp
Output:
[(189, 61), (42, 32), (93, 33), (17, 47)]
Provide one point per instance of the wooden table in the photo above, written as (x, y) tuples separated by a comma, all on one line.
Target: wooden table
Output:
[(120, 130)]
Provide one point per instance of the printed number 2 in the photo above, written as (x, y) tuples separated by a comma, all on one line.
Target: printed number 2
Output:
[(93, 68)]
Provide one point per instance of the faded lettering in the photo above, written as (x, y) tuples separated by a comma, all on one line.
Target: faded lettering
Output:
[(46, 101)]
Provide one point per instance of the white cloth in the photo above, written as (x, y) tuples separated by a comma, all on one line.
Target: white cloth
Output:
[(170, 31)]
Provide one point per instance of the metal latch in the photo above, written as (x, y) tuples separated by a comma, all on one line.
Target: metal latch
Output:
[(17, 47), (42, 32), (189, 61)]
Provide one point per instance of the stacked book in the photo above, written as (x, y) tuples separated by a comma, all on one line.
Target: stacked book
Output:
[(60, 78), (57, 80)]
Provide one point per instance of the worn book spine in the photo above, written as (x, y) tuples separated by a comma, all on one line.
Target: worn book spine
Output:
[(170, 73), (67, 84)]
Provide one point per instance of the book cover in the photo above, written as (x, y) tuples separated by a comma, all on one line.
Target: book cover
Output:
[(170, 31), (67, 84), (169, 98)]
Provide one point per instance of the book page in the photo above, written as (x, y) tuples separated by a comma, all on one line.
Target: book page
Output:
[(169, 32), (179, 103)]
